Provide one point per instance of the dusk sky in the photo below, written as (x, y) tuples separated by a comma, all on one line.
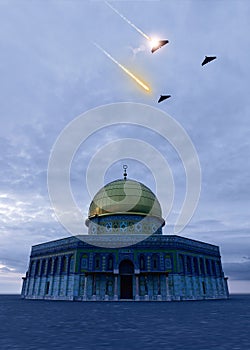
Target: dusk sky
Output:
[(51, 72)]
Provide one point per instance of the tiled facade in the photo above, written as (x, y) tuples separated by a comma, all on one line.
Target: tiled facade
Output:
[(160, 267)]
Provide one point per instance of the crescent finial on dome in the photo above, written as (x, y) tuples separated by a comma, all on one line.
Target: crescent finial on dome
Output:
[(125, 167)]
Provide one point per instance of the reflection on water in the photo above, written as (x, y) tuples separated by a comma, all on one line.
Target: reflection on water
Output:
[(201, 325)]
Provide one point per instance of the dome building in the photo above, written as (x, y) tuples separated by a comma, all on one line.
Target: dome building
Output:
[(121, 206), (125, 256)]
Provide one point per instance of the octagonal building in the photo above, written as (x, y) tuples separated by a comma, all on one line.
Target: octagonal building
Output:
[(125, 256)]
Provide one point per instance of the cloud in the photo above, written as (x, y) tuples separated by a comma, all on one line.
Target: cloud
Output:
[(50, 73), (237, 271), (5, 269), (137, 50)]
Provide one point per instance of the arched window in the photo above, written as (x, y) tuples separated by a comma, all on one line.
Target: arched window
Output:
[(43, 267), (56, 265), (64, 264), (49, 266), (196, 266), (97, 262), (168, 262), (110, 262), (204, 287), (84, 261), (208, 267), (47, 288), (71, 263), (37, 267), (181, 263), (155, 262), (202, 268), (213, 268), (189, 265), (142, 262), (126, 267)]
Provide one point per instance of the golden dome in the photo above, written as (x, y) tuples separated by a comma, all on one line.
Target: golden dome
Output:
[(125, 197)]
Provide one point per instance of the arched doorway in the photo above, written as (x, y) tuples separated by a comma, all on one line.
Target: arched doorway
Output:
[(126, 271)]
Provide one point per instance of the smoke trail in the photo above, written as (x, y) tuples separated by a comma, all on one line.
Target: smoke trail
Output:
[(129, 22), (123, 68)]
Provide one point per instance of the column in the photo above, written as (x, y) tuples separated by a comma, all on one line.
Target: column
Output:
[(27, 284), (185, 264), (146, 288), (206, 294), (34, 277), (46, 277), (210, 279), (59, 275), (94, 288), (85, 287), (40, 278), (159, 297), (167, 288), (106, 298), (137, 297), (200, 277), (193, 292), (32, 285), (67, 276), (226, 287), (29, 279), (116, 288), (46, 266), (185, 276), (52, 276)]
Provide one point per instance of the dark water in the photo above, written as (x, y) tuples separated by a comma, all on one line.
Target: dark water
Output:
[(201, 325)]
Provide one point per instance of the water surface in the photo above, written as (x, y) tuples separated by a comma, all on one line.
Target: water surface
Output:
[(186, 325)]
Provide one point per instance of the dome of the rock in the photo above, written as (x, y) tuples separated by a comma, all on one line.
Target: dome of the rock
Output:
[(125, 197)]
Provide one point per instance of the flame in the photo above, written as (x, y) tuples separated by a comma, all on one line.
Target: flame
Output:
[(142, 84), (154, 42)]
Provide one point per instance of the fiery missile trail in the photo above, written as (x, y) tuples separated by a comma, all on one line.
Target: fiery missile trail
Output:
[(154, 43), (124, 68), (129, 22)]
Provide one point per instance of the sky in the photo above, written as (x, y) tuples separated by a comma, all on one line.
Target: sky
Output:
[(52, 72)]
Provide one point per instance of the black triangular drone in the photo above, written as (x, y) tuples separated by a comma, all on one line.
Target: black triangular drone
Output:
[(206, 60)]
